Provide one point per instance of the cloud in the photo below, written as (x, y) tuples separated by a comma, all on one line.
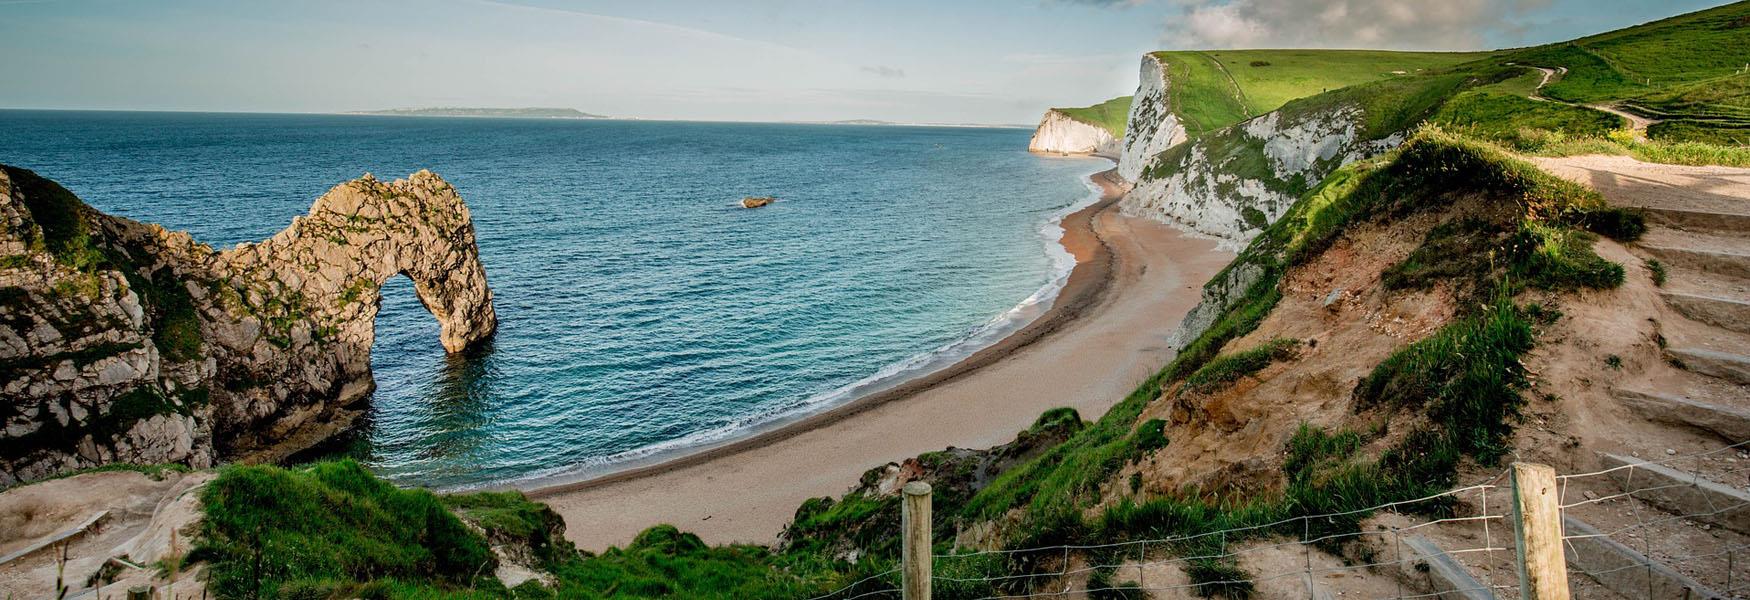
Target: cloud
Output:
[(884, 71), (1393, 24), (1104, 3)]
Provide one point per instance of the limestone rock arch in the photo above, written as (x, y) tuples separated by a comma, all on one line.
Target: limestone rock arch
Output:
[(300, 308)]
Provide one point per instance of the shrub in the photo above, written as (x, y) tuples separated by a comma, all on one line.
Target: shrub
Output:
[(1228, 369), (1215, 578), (1151, 436), (270, 530), (1657, 270)]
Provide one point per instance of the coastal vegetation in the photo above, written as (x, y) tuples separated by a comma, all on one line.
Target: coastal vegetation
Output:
[(1494, 237), (1213, 89), (1111, 115), (333, 530)]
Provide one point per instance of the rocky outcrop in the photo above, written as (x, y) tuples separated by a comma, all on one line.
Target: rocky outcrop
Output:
[(1152, 126), (1231, 183), (1060, 133), (123, 342)]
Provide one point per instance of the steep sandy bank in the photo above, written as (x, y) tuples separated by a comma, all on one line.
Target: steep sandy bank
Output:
[(1104, 335)]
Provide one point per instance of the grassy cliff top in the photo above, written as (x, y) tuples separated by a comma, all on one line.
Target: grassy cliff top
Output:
[(1110, 115), (1212, 89), (1633, 61)]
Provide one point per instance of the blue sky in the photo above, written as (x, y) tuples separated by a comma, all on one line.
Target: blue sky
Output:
[(987, 61)]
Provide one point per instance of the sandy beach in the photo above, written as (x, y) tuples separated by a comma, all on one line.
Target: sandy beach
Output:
[(1134, 279)]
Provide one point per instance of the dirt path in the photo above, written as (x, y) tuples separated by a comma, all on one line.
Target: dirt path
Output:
[(1638, 123), (1239, 94)]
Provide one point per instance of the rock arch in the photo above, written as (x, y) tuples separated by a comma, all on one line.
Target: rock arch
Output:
[(121, 341), (363, 232), (304, 302)]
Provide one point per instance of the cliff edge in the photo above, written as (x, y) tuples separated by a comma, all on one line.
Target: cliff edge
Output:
[(1097, 129), (121, 341)]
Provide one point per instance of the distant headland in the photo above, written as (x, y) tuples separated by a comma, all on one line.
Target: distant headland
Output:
[(520, 113)]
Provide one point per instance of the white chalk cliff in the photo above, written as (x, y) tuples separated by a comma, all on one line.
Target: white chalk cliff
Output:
[(1231, 183), (1060, 133), (1152, 126), (1213, 186)]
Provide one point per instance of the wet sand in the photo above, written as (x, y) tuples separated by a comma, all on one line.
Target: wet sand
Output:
[(1133, 281)]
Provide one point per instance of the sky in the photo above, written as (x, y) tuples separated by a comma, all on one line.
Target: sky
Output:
[(942, 61)]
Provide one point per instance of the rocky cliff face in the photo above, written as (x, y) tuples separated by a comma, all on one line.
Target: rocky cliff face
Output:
[(1057, 132), (1152, 126), (123, 342), (1231, 183)]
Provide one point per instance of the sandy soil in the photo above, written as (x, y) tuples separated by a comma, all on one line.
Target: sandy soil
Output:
[(140, 515), (1630, 182), (1133, 281)]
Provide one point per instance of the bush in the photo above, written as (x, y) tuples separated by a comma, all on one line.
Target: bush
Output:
[(270, 531), (1228, 369), (1151, 436), (1215, 578)]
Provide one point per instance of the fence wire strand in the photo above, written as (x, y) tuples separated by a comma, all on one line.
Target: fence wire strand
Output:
[(1481, 513)]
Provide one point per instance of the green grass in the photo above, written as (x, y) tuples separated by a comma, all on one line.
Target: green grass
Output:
[(1657, 269), (1111, 115), (1226, 369), (1692, 47), (333, 530), (267, 529), (1214, 89), (1467, 376), (155, 472), (1151, 435), (1553, 143), (65, 232), (1494, 115), (1687, 70), (1475, 253), (68, 235)]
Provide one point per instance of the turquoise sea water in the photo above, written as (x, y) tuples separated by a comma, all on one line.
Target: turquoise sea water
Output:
[(640, 310)]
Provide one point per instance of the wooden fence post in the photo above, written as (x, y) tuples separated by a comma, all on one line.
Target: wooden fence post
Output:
[(914, 517), (1537, 529)]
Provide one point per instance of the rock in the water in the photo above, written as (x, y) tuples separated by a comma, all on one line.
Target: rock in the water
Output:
[(165, 350), (756, 201)]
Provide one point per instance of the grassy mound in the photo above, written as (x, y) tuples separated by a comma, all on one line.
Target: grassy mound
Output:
[(1468, 374), (1111, 115), (332, 530), (269, 531)]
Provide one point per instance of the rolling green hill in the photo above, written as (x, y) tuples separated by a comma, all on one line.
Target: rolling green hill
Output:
[(1691, 72), (1217, 88), (1110, 115)]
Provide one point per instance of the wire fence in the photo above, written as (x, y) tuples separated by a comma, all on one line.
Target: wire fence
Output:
[(1668, 528)]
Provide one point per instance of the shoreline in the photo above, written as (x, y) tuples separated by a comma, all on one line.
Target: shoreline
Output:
[(1075, 238), (1088, 281), (1104, 333)]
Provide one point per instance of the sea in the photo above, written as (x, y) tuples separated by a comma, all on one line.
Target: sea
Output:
[(642, 312)]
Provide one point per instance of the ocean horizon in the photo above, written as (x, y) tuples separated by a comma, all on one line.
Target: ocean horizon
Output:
[(642, 312)]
